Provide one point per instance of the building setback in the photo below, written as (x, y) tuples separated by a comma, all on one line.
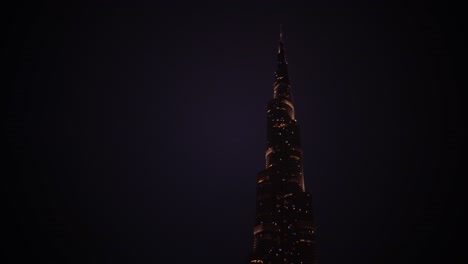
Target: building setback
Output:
[(284, 230)]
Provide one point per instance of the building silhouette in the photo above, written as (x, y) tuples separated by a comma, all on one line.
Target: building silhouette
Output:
[(284, 230)]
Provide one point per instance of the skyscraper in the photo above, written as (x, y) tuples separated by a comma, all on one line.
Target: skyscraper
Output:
[(284, 230)]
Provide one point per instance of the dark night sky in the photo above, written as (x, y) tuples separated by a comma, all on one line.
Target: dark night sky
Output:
[(135, 129)]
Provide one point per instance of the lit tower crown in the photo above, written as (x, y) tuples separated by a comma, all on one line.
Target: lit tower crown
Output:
[(284, 230)]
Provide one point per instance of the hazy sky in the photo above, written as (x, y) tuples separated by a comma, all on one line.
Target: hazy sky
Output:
[(136, 129)]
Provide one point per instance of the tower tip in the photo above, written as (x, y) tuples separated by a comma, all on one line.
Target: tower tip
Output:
[(281, 32)]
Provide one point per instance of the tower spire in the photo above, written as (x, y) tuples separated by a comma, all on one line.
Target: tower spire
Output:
[(281, 74), (280, 47), (281, 32)]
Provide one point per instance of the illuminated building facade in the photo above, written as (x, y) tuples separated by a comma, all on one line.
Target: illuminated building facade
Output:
[(284, 230)]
